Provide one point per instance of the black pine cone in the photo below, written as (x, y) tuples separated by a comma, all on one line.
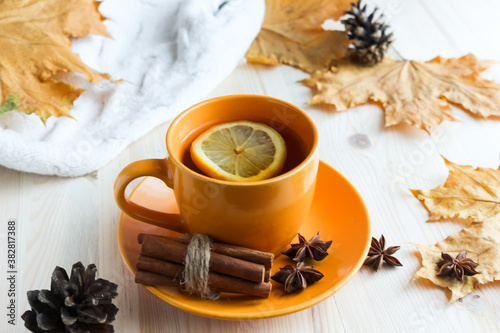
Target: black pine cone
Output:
[(76, 304), (369, 35)]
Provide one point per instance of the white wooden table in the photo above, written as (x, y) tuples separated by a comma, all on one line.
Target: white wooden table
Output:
[(64, 220)]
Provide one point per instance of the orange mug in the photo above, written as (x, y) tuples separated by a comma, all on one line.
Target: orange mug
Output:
[(263, 215)]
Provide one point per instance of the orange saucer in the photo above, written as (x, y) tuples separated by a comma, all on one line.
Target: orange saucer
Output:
[(338, 212)]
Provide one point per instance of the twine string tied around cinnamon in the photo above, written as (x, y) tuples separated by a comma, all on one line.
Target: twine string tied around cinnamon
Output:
[(196, 267)]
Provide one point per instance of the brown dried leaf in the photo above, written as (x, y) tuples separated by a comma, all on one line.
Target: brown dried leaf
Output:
[(412, 92), (291, 34), (468, 193), (34, 39), (482, 242)]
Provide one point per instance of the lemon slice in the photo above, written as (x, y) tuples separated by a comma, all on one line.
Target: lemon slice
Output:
[(240, 151)]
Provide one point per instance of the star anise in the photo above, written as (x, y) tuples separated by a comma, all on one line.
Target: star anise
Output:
[(297, 278), (312, 249), (459, 266), (377, 255)]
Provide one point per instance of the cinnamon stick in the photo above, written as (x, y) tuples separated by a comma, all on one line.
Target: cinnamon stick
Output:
[(267, 275), (234, 251), (153, 279), (162, 267), (157, 272), (170, 250)]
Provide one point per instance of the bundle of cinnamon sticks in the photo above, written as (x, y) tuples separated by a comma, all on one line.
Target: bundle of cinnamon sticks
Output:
[(232, 269)]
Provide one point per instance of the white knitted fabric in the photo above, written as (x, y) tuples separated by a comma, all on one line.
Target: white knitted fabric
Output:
[(170, 54)]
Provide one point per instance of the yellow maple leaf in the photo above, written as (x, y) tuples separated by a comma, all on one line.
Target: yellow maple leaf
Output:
[(34, 39), (482, 242), (412, 92), (467, 194), (291, 34)]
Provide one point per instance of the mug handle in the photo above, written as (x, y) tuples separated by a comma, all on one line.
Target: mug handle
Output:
[(158, 168)]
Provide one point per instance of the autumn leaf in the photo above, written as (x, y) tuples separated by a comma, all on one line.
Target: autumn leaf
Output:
[(412, 92), (291, 34), (467, 194), (482, 242), (34, 39)]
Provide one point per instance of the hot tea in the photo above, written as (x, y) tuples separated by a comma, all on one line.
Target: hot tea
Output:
[(296, 148), (264, 215)]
